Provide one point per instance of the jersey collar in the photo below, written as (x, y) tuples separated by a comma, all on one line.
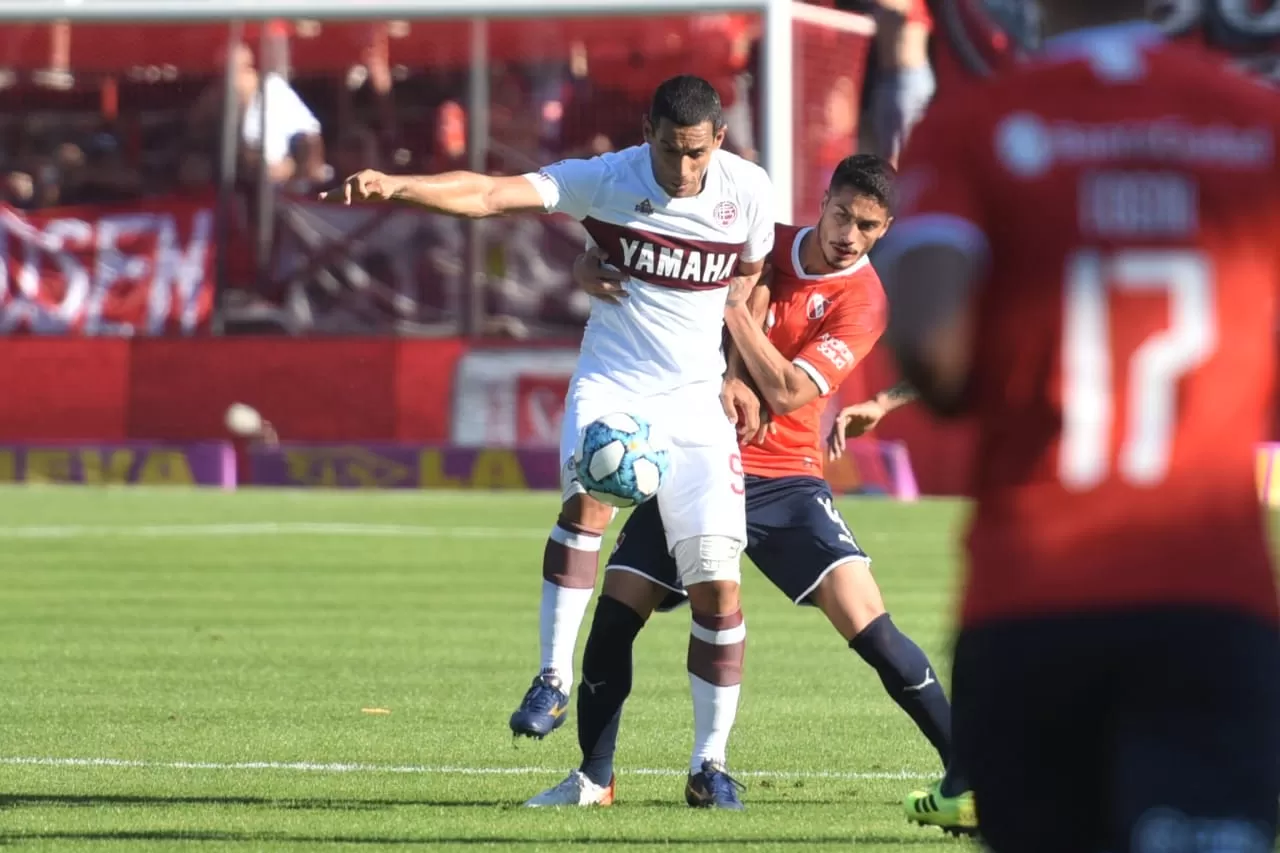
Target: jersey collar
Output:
[(799, 267), (710, 180)]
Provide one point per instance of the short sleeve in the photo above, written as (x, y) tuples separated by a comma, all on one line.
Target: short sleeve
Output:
[(761, 218), (845, 340), (570, 186), (938, 191)]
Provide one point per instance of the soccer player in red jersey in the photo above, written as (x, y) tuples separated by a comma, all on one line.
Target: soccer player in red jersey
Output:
[(1087, 263), (825, 311)]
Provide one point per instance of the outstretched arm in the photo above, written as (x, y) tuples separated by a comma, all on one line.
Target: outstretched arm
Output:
[(568, 187), (896, 396), (463, 194), (860, 418)]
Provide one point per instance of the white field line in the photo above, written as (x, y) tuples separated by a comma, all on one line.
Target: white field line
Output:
[(301, 494), (303, 528), (282, 529), (435, 770), (156, 531)]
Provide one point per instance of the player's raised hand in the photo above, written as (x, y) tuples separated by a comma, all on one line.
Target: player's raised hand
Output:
[(852, 422), (596, 278), (366, 185)]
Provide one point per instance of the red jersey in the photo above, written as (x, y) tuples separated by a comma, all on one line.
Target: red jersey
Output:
[(1127, 193), (918, 13), (825, 324)]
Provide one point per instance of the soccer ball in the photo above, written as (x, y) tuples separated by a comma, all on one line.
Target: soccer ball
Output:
[(615, 462)]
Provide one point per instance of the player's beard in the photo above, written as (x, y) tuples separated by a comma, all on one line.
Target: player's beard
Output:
[(837, 261)]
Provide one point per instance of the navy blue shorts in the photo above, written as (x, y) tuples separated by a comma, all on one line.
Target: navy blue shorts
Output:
[(795, 536)]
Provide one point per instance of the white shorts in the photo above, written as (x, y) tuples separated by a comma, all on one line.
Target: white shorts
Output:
[(703, 493)]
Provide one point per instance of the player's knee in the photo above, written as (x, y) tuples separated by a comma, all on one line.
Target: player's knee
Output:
[(708, 559), (715, 598), (635, 591), (606, 659), (585, 511), (615, 619)]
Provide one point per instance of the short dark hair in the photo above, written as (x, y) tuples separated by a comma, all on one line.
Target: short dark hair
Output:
[(867, 175), (687, 101)]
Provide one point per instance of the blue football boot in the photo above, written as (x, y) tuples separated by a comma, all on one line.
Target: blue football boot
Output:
[(544, 708), (713, 788)]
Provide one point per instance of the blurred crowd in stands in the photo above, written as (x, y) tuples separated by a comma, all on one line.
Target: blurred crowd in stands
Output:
[(69, 138)]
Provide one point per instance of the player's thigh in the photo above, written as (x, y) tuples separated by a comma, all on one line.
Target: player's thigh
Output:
[(704, 494), (581, 407), (849, 596), (1197, 765), (1031, 744), (641, 555), (802, 544), (702, 500), (703, 510)]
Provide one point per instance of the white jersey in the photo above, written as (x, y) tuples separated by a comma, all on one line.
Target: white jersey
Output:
[(679, 254)]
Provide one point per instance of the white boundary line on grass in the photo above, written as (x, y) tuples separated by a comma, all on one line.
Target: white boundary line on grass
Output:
[(435, 770), (302, 528), (268, 528), (271, 528)]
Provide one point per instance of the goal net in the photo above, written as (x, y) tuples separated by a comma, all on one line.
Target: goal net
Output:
[(830, 52)]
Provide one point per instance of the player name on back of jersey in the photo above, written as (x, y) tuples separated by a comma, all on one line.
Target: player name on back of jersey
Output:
[(664, 259)]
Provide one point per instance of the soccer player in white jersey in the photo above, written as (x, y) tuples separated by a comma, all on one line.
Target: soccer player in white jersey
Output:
[(691, 225)]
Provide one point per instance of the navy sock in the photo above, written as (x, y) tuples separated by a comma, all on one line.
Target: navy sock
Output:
[(910, 679), (606, 683), (956, 782)]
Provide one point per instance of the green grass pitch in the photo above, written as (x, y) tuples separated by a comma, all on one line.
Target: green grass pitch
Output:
[(184, 670)]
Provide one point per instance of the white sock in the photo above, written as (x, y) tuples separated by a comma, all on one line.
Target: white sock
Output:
[(714, 709), (560, 618)]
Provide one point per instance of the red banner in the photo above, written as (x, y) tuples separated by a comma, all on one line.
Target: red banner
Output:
[(353, 390), (701, 42), (142, 268)]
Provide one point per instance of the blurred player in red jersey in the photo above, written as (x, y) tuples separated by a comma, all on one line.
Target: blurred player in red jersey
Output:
[(825, 310), (1087, 263)]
